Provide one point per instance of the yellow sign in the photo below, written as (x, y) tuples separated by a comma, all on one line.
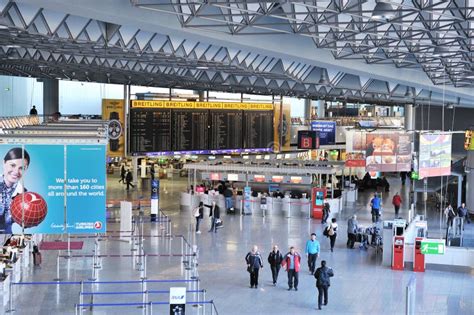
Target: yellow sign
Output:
[(282, 125), (201, 105), (113, 110)]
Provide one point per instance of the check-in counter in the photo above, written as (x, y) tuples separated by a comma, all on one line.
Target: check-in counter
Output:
[(350, 195)]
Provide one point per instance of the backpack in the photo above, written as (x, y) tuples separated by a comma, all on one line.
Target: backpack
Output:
[(330, 231)]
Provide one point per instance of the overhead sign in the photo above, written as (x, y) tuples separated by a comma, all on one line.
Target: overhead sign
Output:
[(201, 105), (35, 198), (327, 131), (308, 139), (433, 247), (435, 154)]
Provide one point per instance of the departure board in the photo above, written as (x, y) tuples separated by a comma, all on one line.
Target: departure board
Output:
[(190, 130), (151, 130), (258, 129), (226, 129), (173, 127)]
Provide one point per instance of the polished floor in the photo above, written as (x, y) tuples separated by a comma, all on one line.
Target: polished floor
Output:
[(360, 285)]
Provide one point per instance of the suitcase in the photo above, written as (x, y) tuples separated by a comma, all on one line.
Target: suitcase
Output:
[(37, 259)]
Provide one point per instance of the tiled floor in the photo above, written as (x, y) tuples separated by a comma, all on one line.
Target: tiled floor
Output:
[(360, 285)]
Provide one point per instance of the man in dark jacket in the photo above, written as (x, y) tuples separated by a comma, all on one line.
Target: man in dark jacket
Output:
[(129, 179), (254, 263), (352, 226), (323, 282), (215, 214), (228, 195), (464, 213), (274, 259)]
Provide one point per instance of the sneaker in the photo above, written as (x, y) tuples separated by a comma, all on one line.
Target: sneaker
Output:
[(198, 232), (251, 287), (296, 289), (289, 289)]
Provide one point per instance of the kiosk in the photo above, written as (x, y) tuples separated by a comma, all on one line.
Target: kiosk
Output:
[(398, 256), (418, 256), (317, 202)]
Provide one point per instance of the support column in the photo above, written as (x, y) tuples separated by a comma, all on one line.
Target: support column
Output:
[(409, 117), (50, 96), (470, 181), (307, 109)]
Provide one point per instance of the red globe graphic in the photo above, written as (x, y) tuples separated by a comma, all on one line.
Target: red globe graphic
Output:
[(35, 209)]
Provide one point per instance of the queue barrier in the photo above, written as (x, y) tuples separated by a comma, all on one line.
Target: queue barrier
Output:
[(104, 282)]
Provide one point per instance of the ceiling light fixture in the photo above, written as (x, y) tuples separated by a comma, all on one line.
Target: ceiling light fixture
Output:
[(202, 68), (408, 93), (324, 80), (383, 11)]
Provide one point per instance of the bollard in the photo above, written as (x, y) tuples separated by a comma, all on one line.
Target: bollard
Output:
[(76, 309), (81, 296), (182, 250), (204, 305), (143, 269), (151, 308)]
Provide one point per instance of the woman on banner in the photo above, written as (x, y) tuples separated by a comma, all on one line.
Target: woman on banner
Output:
[(15, 162)]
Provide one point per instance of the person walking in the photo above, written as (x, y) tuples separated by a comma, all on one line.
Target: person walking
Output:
[(463, 212), (254, 263), (323, 281), (397, 201), (199, 214), (129, 179), (312, 250), (331, 231), (275, 259), (375, 204), (228, 195), (450, 214), (123, 172), (33, 111), (215, 215), (326, 211), (291, 263), (352, 226)]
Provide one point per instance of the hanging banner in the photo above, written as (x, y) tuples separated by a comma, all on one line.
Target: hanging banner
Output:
[(355, 155), (435, 154), (282, 130), (113, 110), (327, 131), (32, 189), (155, 198)]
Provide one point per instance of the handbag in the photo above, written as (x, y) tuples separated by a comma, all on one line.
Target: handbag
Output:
[(249, 269), (196, 213)]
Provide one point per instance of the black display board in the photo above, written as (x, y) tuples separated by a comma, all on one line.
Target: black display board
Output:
[(226, 129), (258, 129), (151, 130), (164, 131)]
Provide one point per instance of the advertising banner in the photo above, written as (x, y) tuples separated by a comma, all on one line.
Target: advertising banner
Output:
[(177, 300), (33, 192), (282, 130), (155, 198), (435, 154), (327, 131), (113, 110), (380, 151)]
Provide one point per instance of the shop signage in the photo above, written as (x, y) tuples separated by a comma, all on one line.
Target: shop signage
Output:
[(432, 247), (201, 105)]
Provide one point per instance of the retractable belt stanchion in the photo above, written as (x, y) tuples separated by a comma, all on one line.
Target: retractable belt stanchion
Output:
[(57, 268)]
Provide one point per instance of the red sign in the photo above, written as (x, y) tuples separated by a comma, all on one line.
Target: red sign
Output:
[(215, 176), (277, 179), (259, 178)]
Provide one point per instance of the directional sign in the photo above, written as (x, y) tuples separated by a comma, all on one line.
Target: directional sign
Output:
[(433, 247)]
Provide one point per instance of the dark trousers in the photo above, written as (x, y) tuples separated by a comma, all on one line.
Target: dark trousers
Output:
[(292, 279), (198, 220), (375, 215), (332, 239), (254, 277), (397, 208), (450, 221), (275, 272), (312, 262), (322, 291), (351, 238), (130, 184)]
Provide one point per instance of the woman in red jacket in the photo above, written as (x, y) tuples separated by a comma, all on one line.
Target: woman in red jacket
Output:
[(291, 263), (397, 201)]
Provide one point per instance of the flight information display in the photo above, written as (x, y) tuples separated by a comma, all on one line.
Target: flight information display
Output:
[(171, 127)]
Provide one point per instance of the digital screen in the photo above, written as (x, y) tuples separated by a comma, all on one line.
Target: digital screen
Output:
[(435, 155), (277, 179), (296, 179), (319, 198), (259, 178), (233, 177)]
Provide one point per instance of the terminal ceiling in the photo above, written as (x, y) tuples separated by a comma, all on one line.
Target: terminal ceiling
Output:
[(74, 44)]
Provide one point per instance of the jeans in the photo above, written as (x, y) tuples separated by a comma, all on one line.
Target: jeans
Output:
[(312, 261), (254, 277), (213, 225), (292, 279), (198, 220), (275, 270), (375, 215), (333, 240), (351, 238), (228, 202), (322, 291)]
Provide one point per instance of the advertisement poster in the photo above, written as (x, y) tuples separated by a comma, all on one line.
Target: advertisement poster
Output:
[(113, 110), (379, 151), (327, 131), (32, 188), (435, 154), (282, 124)]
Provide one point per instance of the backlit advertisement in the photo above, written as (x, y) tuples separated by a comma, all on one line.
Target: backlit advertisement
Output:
[(435, 154), (327, 131), (33, 193), (379, 151)]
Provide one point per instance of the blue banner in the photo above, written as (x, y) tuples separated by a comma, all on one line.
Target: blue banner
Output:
[(32, 188), (155, 189), (327, 131)]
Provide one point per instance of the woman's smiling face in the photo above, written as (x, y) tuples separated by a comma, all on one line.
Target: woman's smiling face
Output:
[(13, 170)]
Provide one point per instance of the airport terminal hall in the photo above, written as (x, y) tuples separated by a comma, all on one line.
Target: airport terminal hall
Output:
[(236, 157)]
